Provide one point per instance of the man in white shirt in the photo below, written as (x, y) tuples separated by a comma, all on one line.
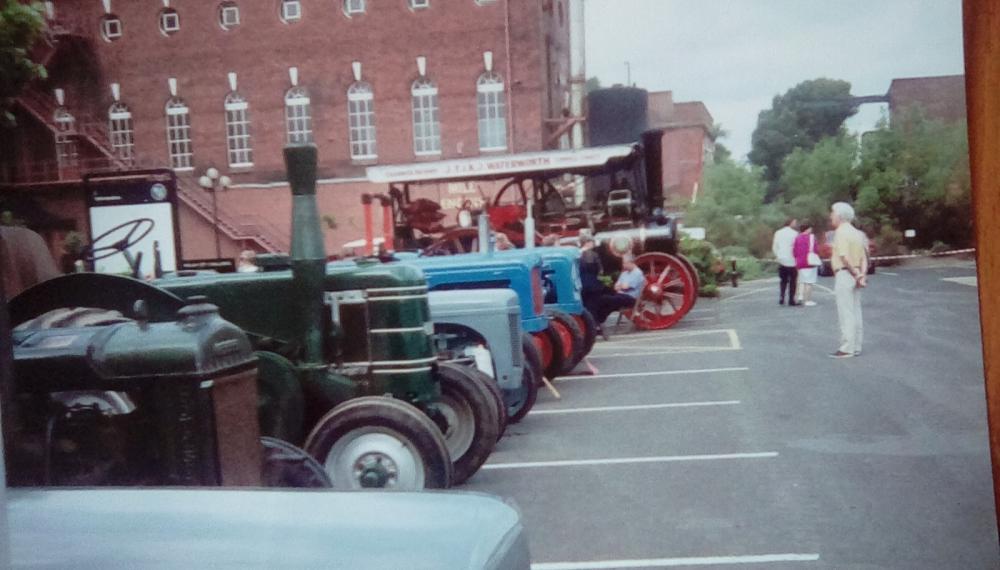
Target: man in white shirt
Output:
[(781, 246)]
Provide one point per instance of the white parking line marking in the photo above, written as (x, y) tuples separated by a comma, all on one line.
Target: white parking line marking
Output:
[(672, 350), (971, 281), (664, 562), (626, 460), (643, 341), (659, 373), (748, 293), (888, 273), (734, 340), (536, 412)]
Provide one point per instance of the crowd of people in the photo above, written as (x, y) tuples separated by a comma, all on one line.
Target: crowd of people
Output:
[(797, 253)]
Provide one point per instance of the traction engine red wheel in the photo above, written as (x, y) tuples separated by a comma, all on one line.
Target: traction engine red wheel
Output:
[(670, 291), (694, 273)]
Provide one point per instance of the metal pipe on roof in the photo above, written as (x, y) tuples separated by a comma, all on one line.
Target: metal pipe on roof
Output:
[(577, 84)]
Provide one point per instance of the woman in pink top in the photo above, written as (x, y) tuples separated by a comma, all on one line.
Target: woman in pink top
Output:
[(805, 243)]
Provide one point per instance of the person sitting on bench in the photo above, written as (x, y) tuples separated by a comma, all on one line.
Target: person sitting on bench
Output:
[(627, 289)]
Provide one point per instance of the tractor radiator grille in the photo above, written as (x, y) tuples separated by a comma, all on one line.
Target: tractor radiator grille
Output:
[(237, 435), (514, 326)]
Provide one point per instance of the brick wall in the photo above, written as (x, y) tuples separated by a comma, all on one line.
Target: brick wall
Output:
[(942, 98), (451, 34)]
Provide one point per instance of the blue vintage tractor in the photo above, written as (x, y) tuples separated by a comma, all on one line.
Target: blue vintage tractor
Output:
[(521, 274)]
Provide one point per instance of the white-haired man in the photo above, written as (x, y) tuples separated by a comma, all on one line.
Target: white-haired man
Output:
[(850, 267)]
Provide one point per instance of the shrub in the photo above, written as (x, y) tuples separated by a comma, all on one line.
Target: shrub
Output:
[(704, 257), (940, 247)]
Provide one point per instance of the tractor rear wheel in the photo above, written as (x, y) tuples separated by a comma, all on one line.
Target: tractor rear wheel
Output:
[(589, 327), (497, 395), (379, 442), (571, 336), (531, 372), (550, 344), (471, 416), (286, 465)]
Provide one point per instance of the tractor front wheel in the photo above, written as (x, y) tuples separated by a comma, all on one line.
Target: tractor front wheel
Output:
[(589, 327), (531, 371), (376, 442), (471, 418)]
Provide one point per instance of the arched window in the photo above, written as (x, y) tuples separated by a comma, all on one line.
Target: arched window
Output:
[(238, 130), (297, 120), (121, 130), (179, 135), (492, 112), (66, 154), (426, 119), (361, 121)]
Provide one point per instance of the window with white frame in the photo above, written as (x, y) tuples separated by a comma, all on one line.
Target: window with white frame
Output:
[(418, 4), (426, 118), (298, 123), (170, 21), (492, 112), (111, 27), (238, 131), (354, 7), (121, 130), (179, 135), (66, 153), (361, 121), (291, 10), (229, 15)]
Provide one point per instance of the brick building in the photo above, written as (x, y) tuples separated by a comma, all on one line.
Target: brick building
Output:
[(941, 97), (194, 84), (688, 143)]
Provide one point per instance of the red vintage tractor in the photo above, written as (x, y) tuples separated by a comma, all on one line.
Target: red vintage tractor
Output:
[(622, 207)]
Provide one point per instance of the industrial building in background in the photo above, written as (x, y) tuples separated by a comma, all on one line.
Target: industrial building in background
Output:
[(194, 85)]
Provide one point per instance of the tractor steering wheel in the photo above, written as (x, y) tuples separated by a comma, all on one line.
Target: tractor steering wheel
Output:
[(93, 252)]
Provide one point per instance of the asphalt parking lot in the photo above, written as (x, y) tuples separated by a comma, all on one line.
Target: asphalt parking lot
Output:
[(733, 441)]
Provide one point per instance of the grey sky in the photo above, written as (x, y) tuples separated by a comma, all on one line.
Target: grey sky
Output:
[(735, 55)]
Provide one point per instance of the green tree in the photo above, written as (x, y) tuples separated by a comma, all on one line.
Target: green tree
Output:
[(914, 174), (813, 179), (805, 114), (20, 26), (592, 84), (731, 208)]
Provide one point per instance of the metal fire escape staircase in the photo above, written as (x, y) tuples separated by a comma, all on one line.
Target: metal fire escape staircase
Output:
[(94, 132)]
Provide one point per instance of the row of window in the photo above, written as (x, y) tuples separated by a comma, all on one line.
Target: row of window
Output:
[(229, 15), (490, 103)]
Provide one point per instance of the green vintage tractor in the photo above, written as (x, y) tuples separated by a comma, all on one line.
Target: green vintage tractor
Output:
[(346, 358)]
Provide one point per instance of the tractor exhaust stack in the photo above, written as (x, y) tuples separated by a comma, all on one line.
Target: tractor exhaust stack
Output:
[(308, 254)]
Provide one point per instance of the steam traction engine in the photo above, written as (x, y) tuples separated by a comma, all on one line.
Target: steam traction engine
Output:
[(623, 209)]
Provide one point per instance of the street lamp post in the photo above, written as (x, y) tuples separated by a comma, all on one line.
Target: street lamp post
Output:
[(212, 182)]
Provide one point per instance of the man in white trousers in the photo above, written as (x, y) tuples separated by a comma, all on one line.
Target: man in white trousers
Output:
[(850, 268)]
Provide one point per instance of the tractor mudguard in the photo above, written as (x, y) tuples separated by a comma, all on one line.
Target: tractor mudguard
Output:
[(280, 403), (96, 290)]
